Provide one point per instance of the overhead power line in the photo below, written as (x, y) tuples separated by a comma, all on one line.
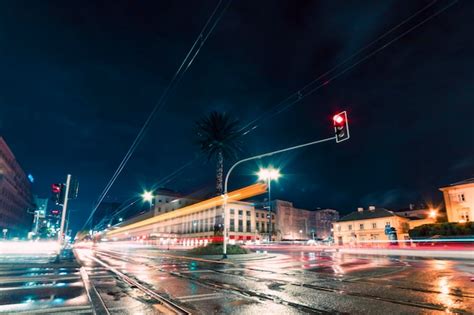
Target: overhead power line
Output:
[(327, 77), (199, 42)]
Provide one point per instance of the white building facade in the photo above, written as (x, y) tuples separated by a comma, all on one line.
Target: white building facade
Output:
[(459, 201)]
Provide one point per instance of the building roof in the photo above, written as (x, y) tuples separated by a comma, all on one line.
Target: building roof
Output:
[(462, 182), (367, 214)]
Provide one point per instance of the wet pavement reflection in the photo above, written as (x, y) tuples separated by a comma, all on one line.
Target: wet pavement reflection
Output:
[(290, 282)]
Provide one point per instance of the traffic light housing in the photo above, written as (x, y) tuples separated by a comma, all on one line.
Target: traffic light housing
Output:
[(55, 191), (341, 126), (58, 193)]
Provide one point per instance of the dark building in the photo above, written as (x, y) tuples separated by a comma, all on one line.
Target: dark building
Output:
[(16, 199), (322, 221)]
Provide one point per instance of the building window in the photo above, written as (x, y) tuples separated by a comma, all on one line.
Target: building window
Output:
[(257, 225), (232, 225), (273, 217), (248, 213), (374, 225), (241, 226), (361, 226), (248, 226), (465, 215), (350, 227), (240, 212), (461, 198), (232, 211)]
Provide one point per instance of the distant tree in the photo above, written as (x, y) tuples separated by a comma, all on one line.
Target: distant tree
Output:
[(218, 138)]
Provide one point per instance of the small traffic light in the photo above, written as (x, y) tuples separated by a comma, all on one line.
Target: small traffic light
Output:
[(341, 126), (55, 190), (58, 193)]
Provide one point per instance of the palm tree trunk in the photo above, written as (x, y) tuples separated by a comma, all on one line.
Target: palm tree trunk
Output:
[(219, 172)]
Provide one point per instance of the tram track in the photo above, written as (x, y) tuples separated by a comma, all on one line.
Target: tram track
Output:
[(222, 286)]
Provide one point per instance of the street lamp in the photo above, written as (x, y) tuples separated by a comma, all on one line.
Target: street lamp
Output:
[(267, 175), (433, 214), (147, 196), (256, 157)]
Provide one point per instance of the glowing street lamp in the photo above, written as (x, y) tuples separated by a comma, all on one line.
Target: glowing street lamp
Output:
[(147, 196), (269, 174), (433, 214)]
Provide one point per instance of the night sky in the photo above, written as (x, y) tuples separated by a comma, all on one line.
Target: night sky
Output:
[(78, 79)]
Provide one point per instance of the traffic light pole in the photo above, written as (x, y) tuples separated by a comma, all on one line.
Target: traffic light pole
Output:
[(224, 195), (63, 215)]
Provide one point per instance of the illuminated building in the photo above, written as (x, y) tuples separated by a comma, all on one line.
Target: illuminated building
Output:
[(459, 201), (367, 225), (15, 195), (196, 223)]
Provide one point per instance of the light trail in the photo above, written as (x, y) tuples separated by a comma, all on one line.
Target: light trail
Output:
[(243, 193)]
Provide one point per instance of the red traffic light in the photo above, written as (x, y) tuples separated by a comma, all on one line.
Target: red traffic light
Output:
[(338, 119), (341, 126), (54, 212), (55, 188)]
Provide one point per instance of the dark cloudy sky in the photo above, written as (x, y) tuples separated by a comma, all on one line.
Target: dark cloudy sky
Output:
[(78, 78)]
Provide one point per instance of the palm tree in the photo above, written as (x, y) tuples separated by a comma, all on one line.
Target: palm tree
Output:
[(218, 137)]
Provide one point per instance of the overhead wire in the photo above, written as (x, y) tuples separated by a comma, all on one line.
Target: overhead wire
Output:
[(206, 31), (303, 92)]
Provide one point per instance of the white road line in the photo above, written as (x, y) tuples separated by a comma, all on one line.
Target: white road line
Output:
[(203, 298), (196, 271), (196, 295)]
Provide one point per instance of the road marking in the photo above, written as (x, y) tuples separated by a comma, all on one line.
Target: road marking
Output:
[(196, 295), (196, 271), (203, 298)]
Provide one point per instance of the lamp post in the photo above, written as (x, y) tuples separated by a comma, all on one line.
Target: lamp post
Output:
[(224, 195), (269, 174)]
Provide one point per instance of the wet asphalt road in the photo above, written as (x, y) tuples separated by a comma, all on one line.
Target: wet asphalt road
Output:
[(286, 282), (289, 282)]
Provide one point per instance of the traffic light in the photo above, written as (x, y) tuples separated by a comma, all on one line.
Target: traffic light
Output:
[(55, 190), (58, 191), (341, 126)]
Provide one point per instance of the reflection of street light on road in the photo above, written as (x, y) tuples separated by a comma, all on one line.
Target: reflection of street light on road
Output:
[(269, 174)]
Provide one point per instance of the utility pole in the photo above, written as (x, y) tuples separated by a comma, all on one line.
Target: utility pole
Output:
[(63, 215)]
